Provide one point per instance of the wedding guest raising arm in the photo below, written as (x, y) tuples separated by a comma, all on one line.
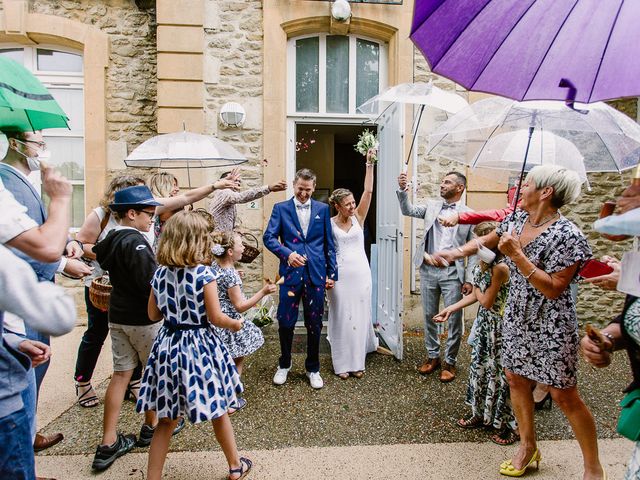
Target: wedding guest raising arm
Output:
[(223, 204), (436, 280)]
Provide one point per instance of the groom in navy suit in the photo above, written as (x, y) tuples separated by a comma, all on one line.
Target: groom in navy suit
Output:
[(299, 234)]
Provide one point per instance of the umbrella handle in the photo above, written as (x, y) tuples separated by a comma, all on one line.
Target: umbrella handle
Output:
[(413, 140), (524, 165)]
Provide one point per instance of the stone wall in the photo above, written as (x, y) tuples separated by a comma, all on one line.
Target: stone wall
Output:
[(233, 73), (131, 75)]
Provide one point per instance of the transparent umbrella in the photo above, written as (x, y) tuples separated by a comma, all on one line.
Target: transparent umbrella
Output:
[(418, 93), (608, 140), (184, 150), (506, 151)]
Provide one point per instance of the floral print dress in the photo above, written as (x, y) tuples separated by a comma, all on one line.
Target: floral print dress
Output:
[(488, 389), (540, 335), (249, 338)]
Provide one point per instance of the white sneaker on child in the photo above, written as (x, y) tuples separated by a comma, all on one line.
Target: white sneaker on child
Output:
[(281, 376), (315, 380)]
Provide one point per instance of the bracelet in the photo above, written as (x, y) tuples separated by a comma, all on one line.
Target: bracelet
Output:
[(527, 277), (460, 250), (78, 242)]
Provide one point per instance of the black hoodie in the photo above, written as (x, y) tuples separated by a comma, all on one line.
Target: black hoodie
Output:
[(127, 256)]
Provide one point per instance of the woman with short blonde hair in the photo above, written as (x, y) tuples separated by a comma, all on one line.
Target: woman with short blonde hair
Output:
[(544, 252)]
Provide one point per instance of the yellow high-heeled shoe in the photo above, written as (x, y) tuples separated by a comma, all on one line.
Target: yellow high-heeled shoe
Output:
[(507, 468)]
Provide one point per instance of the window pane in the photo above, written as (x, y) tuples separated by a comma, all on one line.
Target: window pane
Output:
[(337, 74), (71, 100), (368, 70), (16, 54), (67, 156), (77, 206), (307, 74), (54, 61)]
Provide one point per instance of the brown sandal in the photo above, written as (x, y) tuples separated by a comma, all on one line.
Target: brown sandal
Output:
[(358, 374), (471, 422), (505, 436), (343, 376)]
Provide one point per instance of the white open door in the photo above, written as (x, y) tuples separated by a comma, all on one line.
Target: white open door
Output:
[(389, 231)]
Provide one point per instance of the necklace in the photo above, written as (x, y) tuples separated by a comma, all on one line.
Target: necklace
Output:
[(545, 221)]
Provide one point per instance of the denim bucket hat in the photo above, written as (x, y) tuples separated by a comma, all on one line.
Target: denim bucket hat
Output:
[(131, 197)]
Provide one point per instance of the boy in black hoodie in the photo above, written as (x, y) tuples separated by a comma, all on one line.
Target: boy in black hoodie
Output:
[(131, 263)]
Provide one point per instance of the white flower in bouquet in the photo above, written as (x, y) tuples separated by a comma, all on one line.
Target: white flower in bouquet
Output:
[(366, 142)]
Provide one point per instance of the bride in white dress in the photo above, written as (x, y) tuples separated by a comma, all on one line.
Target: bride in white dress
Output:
[(350, 330)]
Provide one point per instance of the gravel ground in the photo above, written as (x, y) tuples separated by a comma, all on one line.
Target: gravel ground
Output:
[(392, 404)]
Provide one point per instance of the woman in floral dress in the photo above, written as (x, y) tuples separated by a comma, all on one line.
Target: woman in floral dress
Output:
[(540, 328)]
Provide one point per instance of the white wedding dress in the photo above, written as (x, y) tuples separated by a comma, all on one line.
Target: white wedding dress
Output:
[(350, 330)]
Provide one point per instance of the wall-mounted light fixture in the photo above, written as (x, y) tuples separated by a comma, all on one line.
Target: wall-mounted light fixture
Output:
[(341, 10), (232, 114)]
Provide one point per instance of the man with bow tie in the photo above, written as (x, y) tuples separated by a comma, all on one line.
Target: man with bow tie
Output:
[(299, 234), (450, 281)]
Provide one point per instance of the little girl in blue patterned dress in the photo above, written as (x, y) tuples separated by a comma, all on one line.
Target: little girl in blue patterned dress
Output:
[(190, 372), (228, 249)]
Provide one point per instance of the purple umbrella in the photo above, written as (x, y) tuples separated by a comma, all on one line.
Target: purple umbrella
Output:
[(522, 49)]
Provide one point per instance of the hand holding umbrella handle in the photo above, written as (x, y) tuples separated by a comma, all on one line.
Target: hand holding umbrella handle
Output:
[(626, 202)]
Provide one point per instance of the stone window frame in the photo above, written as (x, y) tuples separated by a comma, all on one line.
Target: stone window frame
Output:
[(20, 27)]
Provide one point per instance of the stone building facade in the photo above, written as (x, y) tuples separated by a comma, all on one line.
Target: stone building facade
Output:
[(160, 66)]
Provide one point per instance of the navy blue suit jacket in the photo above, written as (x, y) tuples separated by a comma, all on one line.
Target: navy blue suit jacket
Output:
[(28, 196), (284, 236)]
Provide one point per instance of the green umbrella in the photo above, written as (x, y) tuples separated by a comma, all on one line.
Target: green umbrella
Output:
[(25, 104)]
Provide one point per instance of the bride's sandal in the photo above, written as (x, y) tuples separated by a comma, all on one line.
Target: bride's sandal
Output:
[(343, 376), (358, 374), (87, 397), (133, 390)]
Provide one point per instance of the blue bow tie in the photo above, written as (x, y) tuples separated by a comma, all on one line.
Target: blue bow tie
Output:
[(303, 207), (448, 205)]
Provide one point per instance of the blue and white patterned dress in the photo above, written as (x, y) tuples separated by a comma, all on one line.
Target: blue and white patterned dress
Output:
[(249, 338), (189, 372)]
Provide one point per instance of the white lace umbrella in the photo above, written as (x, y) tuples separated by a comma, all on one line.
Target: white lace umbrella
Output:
[(418, 93), (184, 150)]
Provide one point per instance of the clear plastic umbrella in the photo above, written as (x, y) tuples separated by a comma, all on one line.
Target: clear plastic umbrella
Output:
[(506, 152), (184, 150), (608, 140), (418, 93)]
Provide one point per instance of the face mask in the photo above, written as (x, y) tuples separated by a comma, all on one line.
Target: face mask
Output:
[(34, 162), (629, 281), (485, 254)]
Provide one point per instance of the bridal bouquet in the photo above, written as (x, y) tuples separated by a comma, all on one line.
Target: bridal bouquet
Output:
[(367, 141)]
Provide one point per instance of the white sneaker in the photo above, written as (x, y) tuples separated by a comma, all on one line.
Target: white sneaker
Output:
[(315, 380), (281, 376)]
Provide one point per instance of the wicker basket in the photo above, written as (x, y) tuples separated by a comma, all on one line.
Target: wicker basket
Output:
[(100, 291), (250, 252)]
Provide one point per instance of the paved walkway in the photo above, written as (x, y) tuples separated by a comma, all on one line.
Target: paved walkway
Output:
[(441, 461)]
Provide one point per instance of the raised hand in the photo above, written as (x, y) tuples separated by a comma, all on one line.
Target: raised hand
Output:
[(54, 185), (402, 181), (278, 186)]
